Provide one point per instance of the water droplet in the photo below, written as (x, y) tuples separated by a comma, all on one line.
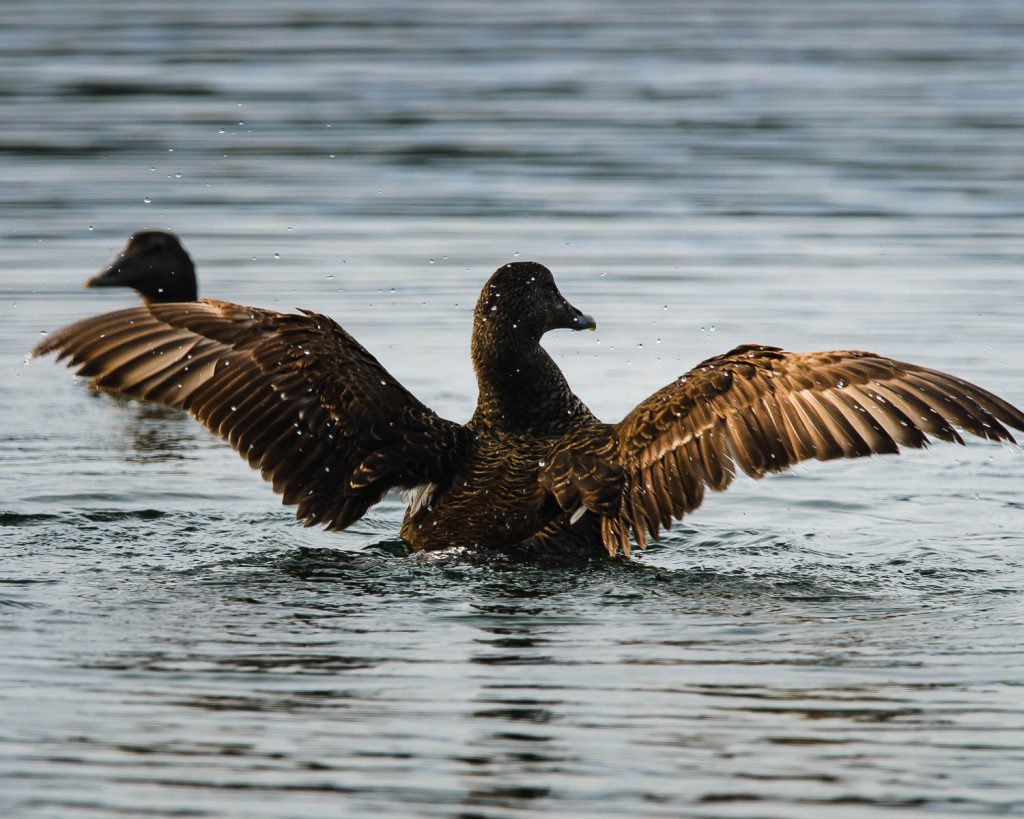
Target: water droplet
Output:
[(91, 227), (329, 276), (177, 176), (277, 255), (146, 199)]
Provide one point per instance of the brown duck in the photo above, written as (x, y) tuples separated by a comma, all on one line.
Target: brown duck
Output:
[(533, 471), (154, 263)]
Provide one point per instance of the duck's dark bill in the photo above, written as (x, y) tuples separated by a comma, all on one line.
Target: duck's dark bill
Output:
[(110, 277), (584, 322)]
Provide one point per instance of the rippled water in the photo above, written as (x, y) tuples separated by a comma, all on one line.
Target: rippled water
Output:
[(843, 638)]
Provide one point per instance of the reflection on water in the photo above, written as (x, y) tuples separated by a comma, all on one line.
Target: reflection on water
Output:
[(152, 432), (844, 639)]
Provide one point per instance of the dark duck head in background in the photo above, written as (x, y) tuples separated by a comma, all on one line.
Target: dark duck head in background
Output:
[(533, 472), (154, 263)]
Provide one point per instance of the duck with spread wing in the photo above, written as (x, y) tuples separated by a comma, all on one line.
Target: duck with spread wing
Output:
[(533, 472)]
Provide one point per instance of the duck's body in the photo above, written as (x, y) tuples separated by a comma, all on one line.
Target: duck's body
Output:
[(498, 471), (525, 409), (533, 472)]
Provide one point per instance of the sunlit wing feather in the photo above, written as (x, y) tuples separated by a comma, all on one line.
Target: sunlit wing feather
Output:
[(760, 409), (296, 395)]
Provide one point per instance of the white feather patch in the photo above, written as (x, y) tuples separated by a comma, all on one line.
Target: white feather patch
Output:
[(420, 497)]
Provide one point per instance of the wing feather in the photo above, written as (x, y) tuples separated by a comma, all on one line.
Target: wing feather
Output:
[(761, 409), (295, 395)]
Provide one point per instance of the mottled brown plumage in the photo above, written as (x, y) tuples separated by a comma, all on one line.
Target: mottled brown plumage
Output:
[(533, 471), (761, 409), (154, 263)]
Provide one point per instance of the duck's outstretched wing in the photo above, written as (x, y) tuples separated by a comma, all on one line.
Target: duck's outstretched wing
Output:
[(296, 395), (763, 410)]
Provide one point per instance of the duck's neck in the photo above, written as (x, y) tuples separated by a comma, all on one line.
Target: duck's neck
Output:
[(521, 390), (179, 284)]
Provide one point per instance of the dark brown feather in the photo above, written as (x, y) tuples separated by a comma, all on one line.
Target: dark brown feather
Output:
[(277, 387), (766, 410)]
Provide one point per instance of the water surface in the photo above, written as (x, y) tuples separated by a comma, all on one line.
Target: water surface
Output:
[(844, 638)]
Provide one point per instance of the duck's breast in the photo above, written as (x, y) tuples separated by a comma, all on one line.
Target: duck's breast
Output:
[(495, 501)]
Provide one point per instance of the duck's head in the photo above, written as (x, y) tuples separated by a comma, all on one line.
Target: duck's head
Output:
[(522, 301), (154, 263)]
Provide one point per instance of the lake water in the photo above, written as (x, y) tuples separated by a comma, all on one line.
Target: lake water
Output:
[(844, 640)]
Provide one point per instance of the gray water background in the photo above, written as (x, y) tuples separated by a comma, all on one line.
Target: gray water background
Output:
[(843, 640)]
